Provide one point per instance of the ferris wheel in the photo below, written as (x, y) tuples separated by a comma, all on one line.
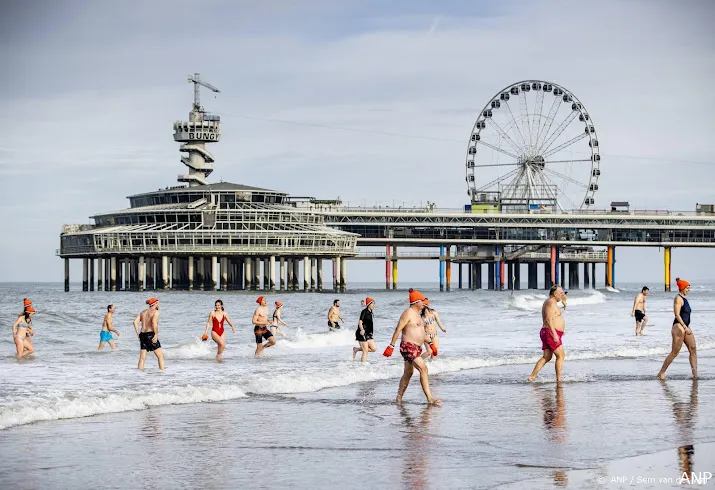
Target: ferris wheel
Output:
[(533, 146)]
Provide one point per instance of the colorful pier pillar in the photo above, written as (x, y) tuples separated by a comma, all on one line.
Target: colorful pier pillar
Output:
[(387, 267), (557, 269), (610, 266), (497, 270), (394, 267), (441, 268), (666, 263), (449, 269), (502, 275), (554, 270)]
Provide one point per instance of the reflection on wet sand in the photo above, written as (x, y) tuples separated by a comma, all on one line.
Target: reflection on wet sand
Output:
[(685, 414), (554, 409), (417, 446)]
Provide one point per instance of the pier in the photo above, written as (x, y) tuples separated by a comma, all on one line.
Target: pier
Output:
[(225, 236)]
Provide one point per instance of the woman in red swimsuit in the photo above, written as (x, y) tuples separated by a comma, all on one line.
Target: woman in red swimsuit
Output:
[(216, 318)]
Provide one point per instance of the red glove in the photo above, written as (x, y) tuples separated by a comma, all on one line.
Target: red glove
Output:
[(204, 338), (388, 350), (433, 348)]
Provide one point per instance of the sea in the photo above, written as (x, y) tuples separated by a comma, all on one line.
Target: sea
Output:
[(307, 415)]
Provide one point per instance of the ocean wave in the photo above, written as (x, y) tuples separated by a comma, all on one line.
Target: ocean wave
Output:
[(73, 406), (302, 340), (534, 302)]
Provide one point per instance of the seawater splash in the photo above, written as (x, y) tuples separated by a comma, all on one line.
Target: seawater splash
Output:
[(534, 302)]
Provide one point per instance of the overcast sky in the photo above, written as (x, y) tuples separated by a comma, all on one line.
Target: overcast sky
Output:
[(90, 91)]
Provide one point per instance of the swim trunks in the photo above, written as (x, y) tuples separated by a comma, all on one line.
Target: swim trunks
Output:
[(105, 336), (363, 338), (262, 333), (547, 340), (410, 351), (145, 342), (640, 315), (333, 325)]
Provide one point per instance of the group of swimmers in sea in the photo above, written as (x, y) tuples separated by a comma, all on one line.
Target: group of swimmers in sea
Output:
[(417, 328)]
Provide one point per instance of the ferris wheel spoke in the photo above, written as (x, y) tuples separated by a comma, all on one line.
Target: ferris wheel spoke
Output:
[(565, 177), (551, 190), (508, 138), (516, 124), (557, 132), (565, 144), (496, 148), (550, 118), (524, 110), (497, 165), (498, 180), (537, 120)]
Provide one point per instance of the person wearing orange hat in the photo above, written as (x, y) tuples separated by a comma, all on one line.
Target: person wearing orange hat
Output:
[(277, 321), (334, 316), (430, 318), (552, 330), (22, 330), (261, 326), (412, 329), (216, 319), (681, 332), (149, 333), (364, 331)]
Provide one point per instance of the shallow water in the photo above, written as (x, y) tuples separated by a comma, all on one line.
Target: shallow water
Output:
[(306, 414)]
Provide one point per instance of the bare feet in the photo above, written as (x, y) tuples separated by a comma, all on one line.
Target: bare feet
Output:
[(219, 357), (661, 376), (355, 351), (531, 379), (434, 401), (398, 400)]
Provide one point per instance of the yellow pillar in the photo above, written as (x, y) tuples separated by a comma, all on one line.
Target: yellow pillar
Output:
[(394, 273), (666, 263)]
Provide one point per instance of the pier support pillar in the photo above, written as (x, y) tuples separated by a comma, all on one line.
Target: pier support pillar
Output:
[(394, 268), (387, 266), (502, 275), (563, 275), (214, 273), (165, 272), (240, 273), (553, 267), (248, 264), (313, 275), (257, 274), (127, 275), (610, 265), (266, 274), (336, 274), (459, 275), (477, 280), (576, 283), (547, 275), (120, 282), (491, 270), (306, 274), (67, 275), (343, 276), (510, 276), (85, 272), (448, 272), (141, 272), (107, 272), (441, 268), (319, 287), (593, 275), (272, 276), (100, 271), (91, 274), (666, 270), (533, 275), (289, 274), (296, 274), (586, 277), (191, 272), (224, 273), (113, 273), (282, 274), (201, 273), (517, 275), (470, 275)]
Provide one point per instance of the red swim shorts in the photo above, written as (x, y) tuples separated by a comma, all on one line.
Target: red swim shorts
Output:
[(547, 340), (410, 351)]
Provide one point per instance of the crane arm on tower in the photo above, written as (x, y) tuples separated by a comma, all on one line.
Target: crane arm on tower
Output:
[(196, 80)]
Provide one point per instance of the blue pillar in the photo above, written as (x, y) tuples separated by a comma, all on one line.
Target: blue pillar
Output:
[(441, 268), (558, 269), (497, 271)]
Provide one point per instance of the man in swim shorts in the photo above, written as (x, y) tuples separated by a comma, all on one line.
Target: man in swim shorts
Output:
[(334, 315), (105, 335), (149, 334), (363, 334), (638, 310), (551, 332), (261, 326), (412, 329)]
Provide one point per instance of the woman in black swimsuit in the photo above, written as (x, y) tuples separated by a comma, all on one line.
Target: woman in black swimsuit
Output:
[(681, 332)]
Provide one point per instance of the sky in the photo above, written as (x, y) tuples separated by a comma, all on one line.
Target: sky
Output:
[(90, 91)]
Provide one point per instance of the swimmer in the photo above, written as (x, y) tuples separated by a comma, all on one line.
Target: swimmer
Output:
[(551, 333), (429, 318), (362, 303), (564, 298), (638, 310), (334, 315), (260, 328), (105, 335), (681, 332), (363, 334), (413, 333), (277, 321), (22, 330), (149, 334), (216, 318)]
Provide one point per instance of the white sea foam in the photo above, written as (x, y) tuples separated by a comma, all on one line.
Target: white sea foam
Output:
[(303, 340)]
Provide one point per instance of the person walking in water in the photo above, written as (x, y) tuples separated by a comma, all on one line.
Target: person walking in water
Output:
[(638, 310), (681, 332), (22, 330), (260, 327), (430, 317), (105, 335), (551, 333), (413, 336), (334, 315), (149, 333), (277, 321), (216, 319), (363, 334)]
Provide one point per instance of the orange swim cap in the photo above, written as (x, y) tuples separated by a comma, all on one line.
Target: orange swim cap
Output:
[(369, 301), (152, 301), (260, 299), (27, 302), (426, 302), (279, 304), (682, 284), (29, 309), (415, 296)]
